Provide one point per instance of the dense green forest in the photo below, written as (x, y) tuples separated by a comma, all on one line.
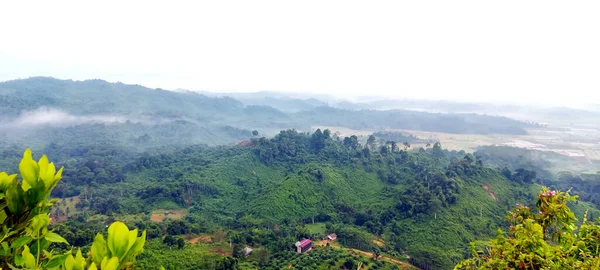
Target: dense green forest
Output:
[(424, 205), (205, 179)]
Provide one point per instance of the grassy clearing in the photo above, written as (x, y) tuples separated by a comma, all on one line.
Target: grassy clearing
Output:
[(160, 215), (317, 228)]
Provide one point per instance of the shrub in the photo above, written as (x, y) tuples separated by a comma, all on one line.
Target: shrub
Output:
[(25, 239)]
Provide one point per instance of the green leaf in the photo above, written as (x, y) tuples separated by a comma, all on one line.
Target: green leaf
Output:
[(3, 216), (30, 262), (93, 267), (19, 260), (21, 241), (139, 244), (57, 178), (14, 199), (135, 248), (6, 180), (98, 249), (69, 262), (118, 239), (56, 261), (47, 172), (29, 170), (43, 165), (111, 264), (55, 238), (133, 234)]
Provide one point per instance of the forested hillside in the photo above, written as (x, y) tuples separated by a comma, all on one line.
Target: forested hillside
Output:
[(427, 204), (204, 177)]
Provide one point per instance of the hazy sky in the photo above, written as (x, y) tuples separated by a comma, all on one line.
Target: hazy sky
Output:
[(547, 51)]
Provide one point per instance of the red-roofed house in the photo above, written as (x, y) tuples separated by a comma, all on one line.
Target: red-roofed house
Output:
[(303, 246), (332, 237)]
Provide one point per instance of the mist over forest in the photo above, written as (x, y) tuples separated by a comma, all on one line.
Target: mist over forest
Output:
[(403, 184)]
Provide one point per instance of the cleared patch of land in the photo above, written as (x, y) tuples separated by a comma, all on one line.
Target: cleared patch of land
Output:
[(160, 215), (378, 243), (200, 239), (316, 228), (64, 208)]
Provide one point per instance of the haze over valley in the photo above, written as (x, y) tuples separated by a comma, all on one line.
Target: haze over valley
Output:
[(243, 135)]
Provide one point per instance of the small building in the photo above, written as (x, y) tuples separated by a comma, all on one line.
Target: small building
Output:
[(303, 246), (247, 251), (332, 237)]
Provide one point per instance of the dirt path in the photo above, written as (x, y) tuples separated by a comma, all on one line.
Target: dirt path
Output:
[(401, 264)]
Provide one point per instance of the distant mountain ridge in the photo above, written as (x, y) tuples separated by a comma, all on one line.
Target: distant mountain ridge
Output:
[(185, 117)]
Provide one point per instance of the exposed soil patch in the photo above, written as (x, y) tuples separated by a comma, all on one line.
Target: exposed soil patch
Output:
[(160, 215), (201, 239), (245, 143), (490, 192), (378, 242)]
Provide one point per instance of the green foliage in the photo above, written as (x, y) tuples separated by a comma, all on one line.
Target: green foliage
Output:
[(425, 204), (199, 256), (395, 137), (546, 239), (25, 235)]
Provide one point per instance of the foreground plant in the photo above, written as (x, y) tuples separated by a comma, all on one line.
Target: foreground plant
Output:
[(542, 239), (25, 238)]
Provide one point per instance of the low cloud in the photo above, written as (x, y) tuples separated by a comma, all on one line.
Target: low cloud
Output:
[(54, 117)]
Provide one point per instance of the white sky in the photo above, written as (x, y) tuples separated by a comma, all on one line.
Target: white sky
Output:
[(542, 51)]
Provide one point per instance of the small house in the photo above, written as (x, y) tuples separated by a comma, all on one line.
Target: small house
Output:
[(303, 246), (247, 251), (332, 237)]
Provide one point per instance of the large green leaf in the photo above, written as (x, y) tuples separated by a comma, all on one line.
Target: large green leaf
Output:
[(69, 262), (30, 262), (29, 170), (21, 241), (14, 199), (118, 239), (55, 238), (43, 165), (111, 264), (56, 261), (135, 249), (3, 216), (6, 180), (98, 249)]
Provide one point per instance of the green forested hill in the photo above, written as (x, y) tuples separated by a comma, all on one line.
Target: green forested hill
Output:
[(135, 154), (98, 97), (428, 203)]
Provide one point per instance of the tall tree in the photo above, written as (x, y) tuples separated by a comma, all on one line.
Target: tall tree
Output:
[(371, 142)]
